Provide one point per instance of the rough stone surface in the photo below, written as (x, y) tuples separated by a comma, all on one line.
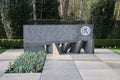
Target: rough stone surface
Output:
[(6, 57), (23, 76), (98, 66), (39, 35), (45, 34), (60, 68)]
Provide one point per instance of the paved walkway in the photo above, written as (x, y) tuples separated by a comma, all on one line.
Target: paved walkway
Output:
[(6, 57), (103, 65)]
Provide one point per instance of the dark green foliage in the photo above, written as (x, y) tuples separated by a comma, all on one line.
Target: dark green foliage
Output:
[(14, 13), (56, 21), (11, 43), (107, 43), (2, 31), (101, 14), (99, 43), (47, 9), (29, 62), (2, 50), (116, 31)]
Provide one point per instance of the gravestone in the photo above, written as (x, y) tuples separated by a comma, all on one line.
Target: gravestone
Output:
[(38, 36)]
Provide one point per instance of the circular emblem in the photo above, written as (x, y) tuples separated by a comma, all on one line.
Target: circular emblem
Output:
[(85, 30)]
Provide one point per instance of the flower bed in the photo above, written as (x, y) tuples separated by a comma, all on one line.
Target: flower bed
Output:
[(29, 62)]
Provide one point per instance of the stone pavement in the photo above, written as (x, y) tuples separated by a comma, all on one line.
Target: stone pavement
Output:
[(8, 56), (103, 65)]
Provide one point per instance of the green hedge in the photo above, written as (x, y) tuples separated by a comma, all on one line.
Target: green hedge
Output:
[(11, 43), (107, 43), (55, 21), (99, 43)]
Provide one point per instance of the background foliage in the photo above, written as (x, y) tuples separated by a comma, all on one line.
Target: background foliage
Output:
[(16, 13), (101, 15)]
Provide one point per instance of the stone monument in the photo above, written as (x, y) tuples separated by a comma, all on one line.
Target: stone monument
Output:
[(46, 37)]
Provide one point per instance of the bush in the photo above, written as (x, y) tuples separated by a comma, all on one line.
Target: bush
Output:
[(55, 21), (29, 62), (99, 43), (101, 15), (2, 31), (107, 43), (11, 43)]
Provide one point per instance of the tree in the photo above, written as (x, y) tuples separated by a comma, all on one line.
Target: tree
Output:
[(101, 15), (81, 9), (14, 13), (47, 9)]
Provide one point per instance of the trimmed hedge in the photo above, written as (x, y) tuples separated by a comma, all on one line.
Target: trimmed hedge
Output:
[(11, 43), (99, 43), (55, 21), (107, 43)]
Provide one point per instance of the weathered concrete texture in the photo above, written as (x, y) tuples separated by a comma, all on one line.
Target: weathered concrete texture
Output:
[(99, 74), (104, 51), (23, 76), (11, 54), (60, 69), (3, 66), (89, 66), (8, 56), (44, 34), (36, 36), (113, 64), (89, 46), (95, 70), (84, 57), (34, 48), (108, 57)]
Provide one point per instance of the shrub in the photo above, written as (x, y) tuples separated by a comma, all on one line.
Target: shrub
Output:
[(55, 21), (11, 43), (107, 43), (101, 15), (29, 62)]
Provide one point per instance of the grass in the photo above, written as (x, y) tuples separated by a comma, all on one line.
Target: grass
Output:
[(116, 50), (2, 50)]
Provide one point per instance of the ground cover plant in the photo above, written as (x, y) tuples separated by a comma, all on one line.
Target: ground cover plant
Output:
[(29, 62)]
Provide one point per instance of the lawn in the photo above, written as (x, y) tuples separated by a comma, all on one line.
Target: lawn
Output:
[(116, 50), (2, 50)]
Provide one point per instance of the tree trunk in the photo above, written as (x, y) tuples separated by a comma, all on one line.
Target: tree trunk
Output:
[(8, 29), (64, 5), (34, 11), (65, 8), (81, 9)]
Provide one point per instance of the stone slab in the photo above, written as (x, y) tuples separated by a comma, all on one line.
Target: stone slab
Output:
[(117, 71), (83, 65), (103, 51), (63, 57), (47, 34), (99, 74), (108, 57), (11, 54), (23, 76), (1, 73), (113, 64), (60, 70), (3, 65), (84, 57)]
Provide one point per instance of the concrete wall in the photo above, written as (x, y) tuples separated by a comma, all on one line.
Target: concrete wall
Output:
[(39, 35)]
